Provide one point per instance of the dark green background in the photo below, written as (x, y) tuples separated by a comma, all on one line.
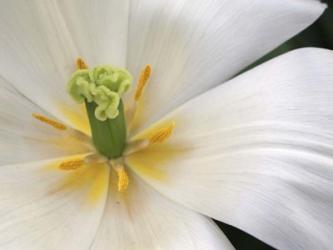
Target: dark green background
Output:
[(320, 34)]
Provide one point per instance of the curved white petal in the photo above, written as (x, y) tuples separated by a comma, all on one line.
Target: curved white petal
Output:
[(23, 138), (194, 45), (99, 29), (42, 208), (37, 52), (40, 41), (142, 219), (256, 152)]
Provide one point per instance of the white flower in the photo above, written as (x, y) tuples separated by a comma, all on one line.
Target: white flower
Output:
[(254, 152)]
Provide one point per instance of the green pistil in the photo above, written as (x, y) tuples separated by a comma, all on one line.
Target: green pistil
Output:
[(101, 89)]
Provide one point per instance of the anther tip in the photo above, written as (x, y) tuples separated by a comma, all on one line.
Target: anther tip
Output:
[(81, 64)]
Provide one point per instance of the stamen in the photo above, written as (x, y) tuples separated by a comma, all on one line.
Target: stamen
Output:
[(162, 134), (71, 164), (143, 79), (49, 121), (81, 64), (123, 179)]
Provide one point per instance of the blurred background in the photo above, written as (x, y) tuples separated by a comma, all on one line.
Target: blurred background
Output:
[(320, 34)]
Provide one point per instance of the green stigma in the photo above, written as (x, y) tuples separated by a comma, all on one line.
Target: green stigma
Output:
[(101, 89), (104, 85)]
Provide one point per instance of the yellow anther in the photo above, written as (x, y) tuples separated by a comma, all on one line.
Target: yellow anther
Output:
[(49, 121), (81, 64), (71, 164), (143, 79), (162, 134), (123, 179)]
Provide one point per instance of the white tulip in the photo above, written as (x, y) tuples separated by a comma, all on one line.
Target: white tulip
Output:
[(255, 151)]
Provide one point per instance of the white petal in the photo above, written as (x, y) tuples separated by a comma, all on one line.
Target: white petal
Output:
[(142, 219), (42, 208), (256, 152), (99, 29), (40, 41), (37, 53), (194, 45), (23, 138)]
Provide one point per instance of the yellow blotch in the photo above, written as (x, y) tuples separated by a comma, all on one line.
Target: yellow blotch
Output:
[(49, 121), (143, 80), (78, 119), (100, 184), (68, 144), (91, 179), (151, 162)]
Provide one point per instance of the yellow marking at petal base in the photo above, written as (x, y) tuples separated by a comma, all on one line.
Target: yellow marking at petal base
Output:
[(92, 179), (147, 170), (154, 161), (68, 144), (81, 64), (143, 79), (100, 184), (49, 121), (78, 119)]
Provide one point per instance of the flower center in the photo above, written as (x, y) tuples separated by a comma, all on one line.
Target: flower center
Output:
[(101, 89)]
